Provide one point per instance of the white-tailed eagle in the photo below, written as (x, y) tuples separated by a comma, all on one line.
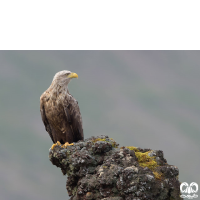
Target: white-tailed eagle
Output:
[(60, 111)]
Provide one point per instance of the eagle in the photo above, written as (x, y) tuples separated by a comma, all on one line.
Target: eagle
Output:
[(60, 111)]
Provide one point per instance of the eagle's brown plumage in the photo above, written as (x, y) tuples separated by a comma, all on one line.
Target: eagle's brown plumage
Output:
[(60, 111)]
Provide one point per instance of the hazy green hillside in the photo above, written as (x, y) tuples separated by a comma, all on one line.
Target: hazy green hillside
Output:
[(149, 99)]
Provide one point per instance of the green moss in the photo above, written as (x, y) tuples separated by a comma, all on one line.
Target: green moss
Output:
[(110, 140), (145, 160), (98, 139), (157, 175), (133, 148), (114, 144)]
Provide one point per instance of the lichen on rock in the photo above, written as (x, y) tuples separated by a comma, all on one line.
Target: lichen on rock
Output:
[(98, 169)]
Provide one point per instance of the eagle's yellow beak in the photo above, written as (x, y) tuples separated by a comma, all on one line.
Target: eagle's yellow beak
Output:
[(73, 75)]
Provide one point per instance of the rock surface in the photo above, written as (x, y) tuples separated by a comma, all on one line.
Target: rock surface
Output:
[(98, 169)]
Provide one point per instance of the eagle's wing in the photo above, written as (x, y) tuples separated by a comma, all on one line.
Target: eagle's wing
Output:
[(73, 115), (44, 118)]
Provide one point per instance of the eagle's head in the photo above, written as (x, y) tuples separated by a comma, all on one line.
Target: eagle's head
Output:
[(62, 78)]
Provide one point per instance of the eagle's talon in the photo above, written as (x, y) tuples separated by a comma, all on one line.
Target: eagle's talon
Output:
[(52, 147), (67, 144), (56, 144)]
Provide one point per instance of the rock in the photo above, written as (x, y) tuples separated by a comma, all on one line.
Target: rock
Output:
[(98, 169)]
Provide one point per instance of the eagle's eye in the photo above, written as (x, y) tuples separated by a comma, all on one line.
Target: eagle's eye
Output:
[(67, 74)]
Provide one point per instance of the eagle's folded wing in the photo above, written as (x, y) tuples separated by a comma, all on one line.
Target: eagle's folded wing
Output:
[(44, 119), (73, 115)]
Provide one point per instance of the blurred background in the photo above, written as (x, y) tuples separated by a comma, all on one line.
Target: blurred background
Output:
[(147, 99)]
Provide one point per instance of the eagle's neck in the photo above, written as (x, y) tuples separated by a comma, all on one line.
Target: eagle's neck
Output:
[(65, 88), (58, 91), (62, 90)]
